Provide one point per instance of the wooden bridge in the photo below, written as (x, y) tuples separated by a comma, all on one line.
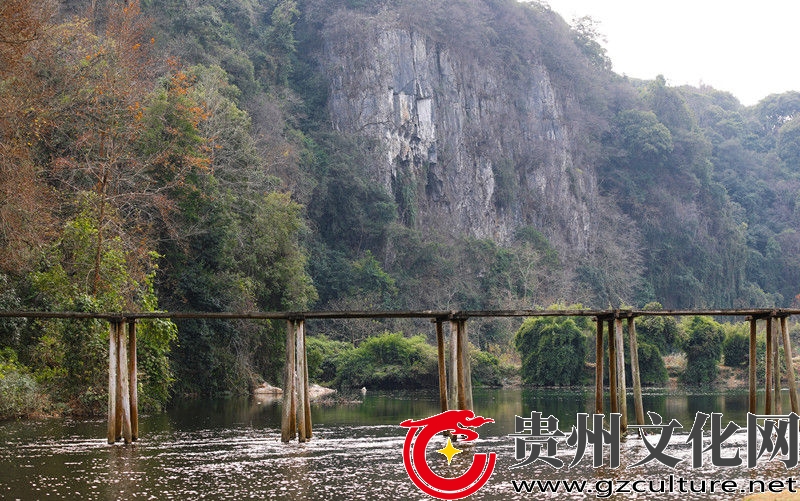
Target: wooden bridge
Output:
[(455, 391)]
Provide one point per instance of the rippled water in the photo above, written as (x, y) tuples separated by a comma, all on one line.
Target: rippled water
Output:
[(231, 449)]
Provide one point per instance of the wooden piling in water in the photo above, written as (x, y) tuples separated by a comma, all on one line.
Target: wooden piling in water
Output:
[(453, 381), (622, 390), (442, 368), (301, 387), (118, 393), (288, 428), (635, 376), (467, 365), (123, 400), (752, 366), (598, 368), (133, 384), (768, 370), (787, 348), (612, 367), (307, 402), (460, 367), (123, 382), (112, 382), (776, 370)]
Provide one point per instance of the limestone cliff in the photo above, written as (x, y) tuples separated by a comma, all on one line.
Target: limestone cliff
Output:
[(467, 144)]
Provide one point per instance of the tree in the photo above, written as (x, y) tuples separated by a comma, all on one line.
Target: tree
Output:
[(94, 86), (703, 348), (65, 282), (736, 347), (789, 144), (645, 138), (552, 351), (231, 241), (280, 41), (590, 41), (653, 371), (660, 331), (389, 361), (26, 223)]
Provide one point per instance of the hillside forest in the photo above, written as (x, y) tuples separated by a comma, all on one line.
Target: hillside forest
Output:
[(182, 155)]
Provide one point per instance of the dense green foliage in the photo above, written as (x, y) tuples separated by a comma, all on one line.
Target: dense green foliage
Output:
[(703, 348), (652, 370), (390, 361), (323, 357), (661, 332), (19, 392), (736, 347), (552, 351)]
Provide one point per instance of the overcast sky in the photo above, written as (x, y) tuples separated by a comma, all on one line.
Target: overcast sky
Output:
[(748, 48)]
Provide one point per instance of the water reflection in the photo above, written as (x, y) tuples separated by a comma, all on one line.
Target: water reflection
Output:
[(231, 449)]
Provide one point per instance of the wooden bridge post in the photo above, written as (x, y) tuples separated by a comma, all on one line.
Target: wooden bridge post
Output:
[(442, 369), (307, 405), (133, 387), (622, 389), (787, 349), (288, 424), (296, 412), (113, 359), (467, 365), (303, 417), (637, 383), (776, 362), (752, 364), (460, 367), (612, 366), (122, 380), (598, 370), (453, 382), (123, 384), (768, 378)]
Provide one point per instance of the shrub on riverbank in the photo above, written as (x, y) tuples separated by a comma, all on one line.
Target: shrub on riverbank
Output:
[(652, 369), (389, 361), (703, 347), (736, 347), (323, 356), (19, 393), (553, 351)]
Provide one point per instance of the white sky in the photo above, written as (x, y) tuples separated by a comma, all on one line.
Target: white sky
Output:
[(748, 48)]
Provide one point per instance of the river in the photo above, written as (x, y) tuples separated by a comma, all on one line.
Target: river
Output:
[(231, 449)]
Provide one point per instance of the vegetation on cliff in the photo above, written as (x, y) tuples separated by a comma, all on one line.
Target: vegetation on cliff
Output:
[(180, 155)]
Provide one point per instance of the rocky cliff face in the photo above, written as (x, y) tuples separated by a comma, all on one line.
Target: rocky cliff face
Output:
[(467, 145)]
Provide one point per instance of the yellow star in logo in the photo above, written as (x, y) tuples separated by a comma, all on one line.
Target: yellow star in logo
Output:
[(449, 451)]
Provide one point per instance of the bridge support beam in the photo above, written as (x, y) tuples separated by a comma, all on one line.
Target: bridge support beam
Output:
[(768, 378), (617, 386), (452, 382), (598, 368), (123, 401), (776, 366), (442, 368), (460, 384), (633, 345), (612, 367), (296, 416), (622, 389)]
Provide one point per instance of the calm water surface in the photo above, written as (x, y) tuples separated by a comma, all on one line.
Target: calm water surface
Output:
[(231, 449)]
